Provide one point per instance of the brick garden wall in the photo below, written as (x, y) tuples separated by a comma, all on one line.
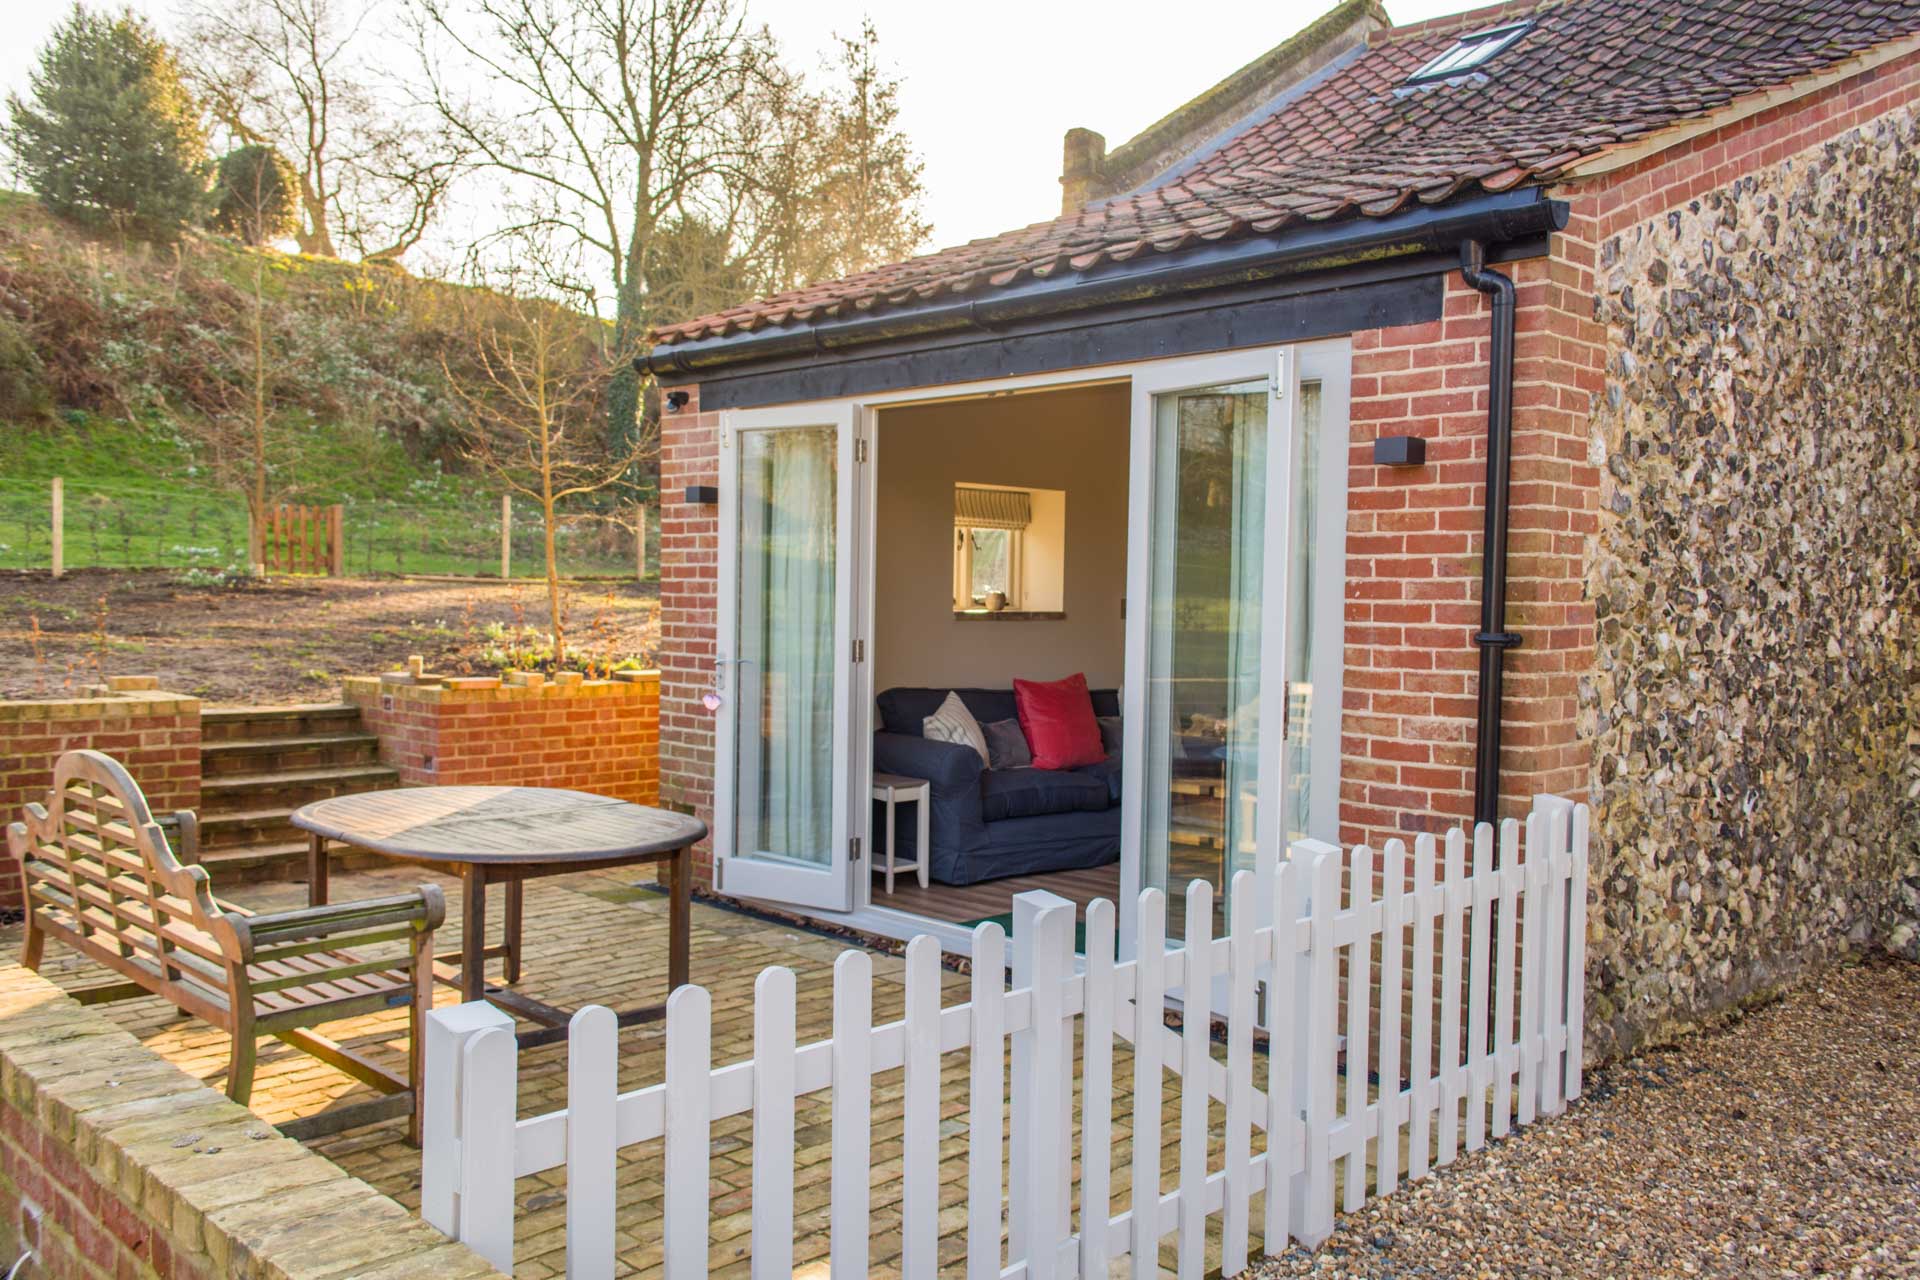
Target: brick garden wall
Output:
[(136, 1169), (155, 734), (601, 736)]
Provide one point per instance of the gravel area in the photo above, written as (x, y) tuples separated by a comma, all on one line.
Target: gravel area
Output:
[(1787, 1144)]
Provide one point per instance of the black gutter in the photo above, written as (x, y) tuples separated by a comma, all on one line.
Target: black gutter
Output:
[(1493, 639), (1491, 218)]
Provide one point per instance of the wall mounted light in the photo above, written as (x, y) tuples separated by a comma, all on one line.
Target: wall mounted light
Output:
[(702, 495), (1399, 451), (678, 399)]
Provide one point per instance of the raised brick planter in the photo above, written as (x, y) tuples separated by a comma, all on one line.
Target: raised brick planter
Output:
[(131, 1167), (154, 733), (601, 736)]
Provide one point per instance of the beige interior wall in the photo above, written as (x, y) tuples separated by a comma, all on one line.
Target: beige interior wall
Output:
[(1074, 440)]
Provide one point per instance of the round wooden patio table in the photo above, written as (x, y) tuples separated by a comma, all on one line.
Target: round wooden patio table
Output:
[(507, 836)]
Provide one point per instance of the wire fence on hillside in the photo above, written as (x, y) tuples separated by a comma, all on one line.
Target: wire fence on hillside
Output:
[(205, 530)]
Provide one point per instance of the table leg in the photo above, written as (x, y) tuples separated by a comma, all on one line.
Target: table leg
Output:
[(316, 869), (473, 932), (679, 918), (511, 966)]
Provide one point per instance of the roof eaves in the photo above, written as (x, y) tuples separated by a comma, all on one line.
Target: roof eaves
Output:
[(1303, 247)]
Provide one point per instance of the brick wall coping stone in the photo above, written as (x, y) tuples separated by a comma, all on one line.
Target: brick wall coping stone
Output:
[(207, 1187), (437, 690), (102, 704)]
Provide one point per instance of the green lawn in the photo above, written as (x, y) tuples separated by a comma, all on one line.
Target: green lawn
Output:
[(136, 499)]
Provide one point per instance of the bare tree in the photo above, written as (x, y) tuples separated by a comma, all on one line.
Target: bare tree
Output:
[(289, 73), (530, 378), (604, 120), (834, 185), (236, 436), (871, 178)]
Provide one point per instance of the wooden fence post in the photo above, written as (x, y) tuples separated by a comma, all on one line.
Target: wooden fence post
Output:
[(639, 543), (466, 1149), (1042, 1112), (1318, 1073), (593, 1085), (336, 542), (59, 527), (506, 536)]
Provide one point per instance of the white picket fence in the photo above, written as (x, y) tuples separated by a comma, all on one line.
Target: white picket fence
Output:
[(1507, 1048)]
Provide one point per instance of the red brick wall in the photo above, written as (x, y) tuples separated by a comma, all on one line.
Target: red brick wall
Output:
[(601, 736), (87, 1226), (689, 584), (1415, 543), (156, 735)]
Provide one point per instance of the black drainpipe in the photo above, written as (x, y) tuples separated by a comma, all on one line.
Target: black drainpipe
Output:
[(1493, 638)]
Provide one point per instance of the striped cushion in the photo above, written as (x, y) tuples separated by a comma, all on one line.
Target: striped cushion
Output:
[(954, 723)]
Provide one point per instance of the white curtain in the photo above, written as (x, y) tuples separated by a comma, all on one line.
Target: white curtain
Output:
[(788, 504)]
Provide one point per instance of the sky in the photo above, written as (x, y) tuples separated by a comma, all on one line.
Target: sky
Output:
[(989, 87)]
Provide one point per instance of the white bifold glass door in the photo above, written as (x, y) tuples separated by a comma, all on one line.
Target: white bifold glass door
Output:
[(782, 796), (1236, 558)]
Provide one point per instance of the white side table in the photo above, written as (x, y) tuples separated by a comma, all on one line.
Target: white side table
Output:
[(893, 788)]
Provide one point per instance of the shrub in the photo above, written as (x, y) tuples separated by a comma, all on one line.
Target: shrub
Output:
[(23, 378), (256, 195), (111, 136)]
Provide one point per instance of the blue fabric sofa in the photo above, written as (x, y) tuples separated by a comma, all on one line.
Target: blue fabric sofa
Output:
[(989, 823)]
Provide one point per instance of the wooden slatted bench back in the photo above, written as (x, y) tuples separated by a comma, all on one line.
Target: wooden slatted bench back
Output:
[(101, 876)]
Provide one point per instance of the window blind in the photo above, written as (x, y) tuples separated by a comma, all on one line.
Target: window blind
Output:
[(992, 508)]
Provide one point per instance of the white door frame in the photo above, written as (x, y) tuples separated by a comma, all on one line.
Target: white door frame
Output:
[(1326, 361), (827, 886)]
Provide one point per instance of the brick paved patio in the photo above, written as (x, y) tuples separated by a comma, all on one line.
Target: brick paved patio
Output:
[(598, 937)]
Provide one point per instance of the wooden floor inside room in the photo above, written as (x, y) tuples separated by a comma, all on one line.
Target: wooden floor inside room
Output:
[(963, 904)]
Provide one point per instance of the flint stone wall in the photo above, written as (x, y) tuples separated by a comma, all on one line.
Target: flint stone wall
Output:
[(1755, 700)]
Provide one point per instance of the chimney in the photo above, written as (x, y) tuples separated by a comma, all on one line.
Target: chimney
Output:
[(1081, 159)]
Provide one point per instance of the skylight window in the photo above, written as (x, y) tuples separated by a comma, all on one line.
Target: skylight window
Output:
[(1470, 51)]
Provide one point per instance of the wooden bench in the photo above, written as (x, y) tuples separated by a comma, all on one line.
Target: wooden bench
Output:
[(100, 875)]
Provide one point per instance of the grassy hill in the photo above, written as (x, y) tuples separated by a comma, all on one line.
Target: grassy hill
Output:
[(113, 350)]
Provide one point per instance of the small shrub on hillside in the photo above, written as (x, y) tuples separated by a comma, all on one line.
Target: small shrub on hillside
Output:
[(111, 137), (256, 195), (23, 377)]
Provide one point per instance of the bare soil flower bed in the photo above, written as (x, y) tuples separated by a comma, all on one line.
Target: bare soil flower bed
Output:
[(1786, 1144), (291, 640)]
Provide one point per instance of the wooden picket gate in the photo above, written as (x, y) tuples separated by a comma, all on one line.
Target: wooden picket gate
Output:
[(1506, 1049), (301, 539)]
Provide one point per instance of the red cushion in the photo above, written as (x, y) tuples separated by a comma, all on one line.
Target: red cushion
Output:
[(1057, 717)]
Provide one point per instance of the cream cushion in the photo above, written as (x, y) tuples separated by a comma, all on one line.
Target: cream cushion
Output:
[(954, 723)]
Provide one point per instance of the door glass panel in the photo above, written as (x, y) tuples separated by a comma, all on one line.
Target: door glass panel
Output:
[(1204, 628), (1303, 581), (784, 714)]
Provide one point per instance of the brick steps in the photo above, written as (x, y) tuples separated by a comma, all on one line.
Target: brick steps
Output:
[(229, 724), (258, 755), (259, 764)]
